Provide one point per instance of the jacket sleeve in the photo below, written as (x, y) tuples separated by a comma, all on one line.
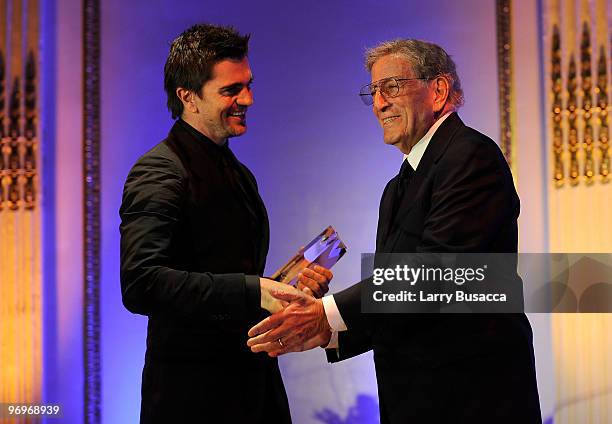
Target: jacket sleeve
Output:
[(357, 339), (153, 196), (350, 344)]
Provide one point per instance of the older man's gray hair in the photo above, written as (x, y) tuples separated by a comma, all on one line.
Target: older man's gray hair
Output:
[(427, 60)]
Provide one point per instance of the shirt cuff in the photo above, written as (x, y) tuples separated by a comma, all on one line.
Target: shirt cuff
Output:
[(333, 341), (333, 315)]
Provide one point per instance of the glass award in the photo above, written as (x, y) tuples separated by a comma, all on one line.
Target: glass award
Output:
[(325, 250)]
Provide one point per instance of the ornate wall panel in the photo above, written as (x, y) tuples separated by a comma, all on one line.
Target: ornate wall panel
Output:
[(505, 76), (576, 52), (577, 55), (91, 208), (20, 236)]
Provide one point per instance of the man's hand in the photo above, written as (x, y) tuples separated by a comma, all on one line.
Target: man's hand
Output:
[(315, 281), (268, 301), (302, 325)]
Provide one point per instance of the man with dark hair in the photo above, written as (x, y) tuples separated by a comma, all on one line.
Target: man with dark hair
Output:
[(454, 193), (194, 239), (192, 57)]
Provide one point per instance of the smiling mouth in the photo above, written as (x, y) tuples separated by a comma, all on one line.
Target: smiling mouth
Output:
[(389, 119), (240, 115)]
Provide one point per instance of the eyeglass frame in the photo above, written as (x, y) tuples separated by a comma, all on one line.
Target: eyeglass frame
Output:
[(371, 95)]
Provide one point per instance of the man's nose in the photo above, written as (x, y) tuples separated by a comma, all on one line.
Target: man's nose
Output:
[(245, 98), (380, 101)]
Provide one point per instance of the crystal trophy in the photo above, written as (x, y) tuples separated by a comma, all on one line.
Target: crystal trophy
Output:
[(325, 250)]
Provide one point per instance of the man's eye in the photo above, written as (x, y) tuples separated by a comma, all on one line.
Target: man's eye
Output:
[(232, 91), (387, 86)]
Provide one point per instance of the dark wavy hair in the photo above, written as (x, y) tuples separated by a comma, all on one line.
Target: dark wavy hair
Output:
[(193, 55)]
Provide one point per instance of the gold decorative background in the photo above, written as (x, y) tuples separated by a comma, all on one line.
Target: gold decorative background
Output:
[(578, 39), (577, 69), (504, 80), (20, 235)]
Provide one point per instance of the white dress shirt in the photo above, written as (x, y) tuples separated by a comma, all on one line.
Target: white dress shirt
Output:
[(414, 158)]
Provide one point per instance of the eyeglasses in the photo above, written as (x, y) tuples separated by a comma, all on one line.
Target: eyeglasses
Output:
[(388, 87)]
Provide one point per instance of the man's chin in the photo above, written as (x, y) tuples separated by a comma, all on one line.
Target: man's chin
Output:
[(391, 141), (397, 143), (238, 131)]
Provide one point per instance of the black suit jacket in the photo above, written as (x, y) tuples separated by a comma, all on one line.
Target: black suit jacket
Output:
[(194, 238), (448, 368)]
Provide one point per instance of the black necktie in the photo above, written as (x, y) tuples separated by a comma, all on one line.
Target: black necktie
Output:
[(403, 178)]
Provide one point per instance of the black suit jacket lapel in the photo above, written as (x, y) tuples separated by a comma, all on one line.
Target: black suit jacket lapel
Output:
[(257, 210), (384, 214), (436, 148)]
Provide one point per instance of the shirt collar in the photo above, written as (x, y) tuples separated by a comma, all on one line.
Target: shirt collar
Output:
[(205, 145), (198, 135), (417, 151)]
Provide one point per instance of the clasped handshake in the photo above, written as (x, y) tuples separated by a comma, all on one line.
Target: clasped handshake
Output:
[(298, 320)]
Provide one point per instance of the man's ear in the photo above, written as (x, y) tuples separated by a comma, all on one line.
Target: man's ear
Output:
[(441, 86), (187, 98)]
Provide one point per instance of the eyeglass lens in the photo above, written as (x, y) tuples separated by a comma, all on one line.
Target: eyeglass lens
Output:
[(389, 87)]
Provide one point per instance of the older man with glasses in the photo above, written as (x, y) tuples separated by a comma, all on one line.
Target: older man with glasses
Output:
[(454, 193)]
